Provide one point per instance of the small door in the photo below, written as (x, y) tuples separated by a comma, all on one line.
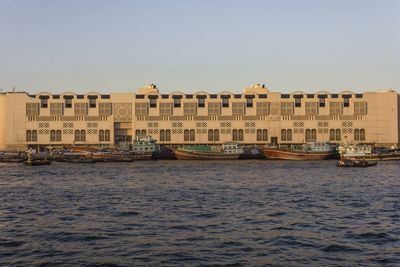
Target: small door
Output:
[(274, 140)]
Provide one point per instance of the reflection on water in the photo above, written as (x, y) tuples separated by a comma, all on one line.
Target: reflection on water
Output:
[(200, 213)]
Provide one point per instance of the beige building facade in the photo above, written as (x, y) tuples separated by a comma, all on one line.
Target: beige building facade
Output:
[(256, 116)]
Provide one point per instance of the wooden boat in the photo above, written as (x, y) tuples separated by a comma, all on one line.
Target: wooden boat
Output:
[(310, 151), (11, 157), (202, 152), (356, 163), (79, 160)]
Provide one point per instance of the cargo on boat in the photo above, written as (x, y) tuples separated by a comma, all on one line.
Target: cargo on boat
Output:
[(309, 151), (200, 152)]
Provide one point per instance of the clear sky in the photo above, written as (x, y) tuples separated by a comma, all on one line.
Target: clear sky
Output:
[(211, 45)]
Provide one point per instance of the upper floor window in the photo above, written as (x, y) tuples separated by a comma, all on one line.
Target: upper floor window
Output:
[(237, 108), (141, 108), (286, 108), (153, 102), (335, 108), (32, 109), (249, 102), (225, 102), (56, 109), (105, 109), (214, 108), (311, 108), (201, 102), (165, 108), (262, 108), (360, 108), (80, 109), (189, 108), (43, 102), (177, 102)]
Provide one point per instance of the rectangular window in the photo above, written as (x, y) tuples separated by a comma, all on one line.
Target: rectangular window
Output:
[(177, 102), (165, 108), (92, 103), (335, 108), (360, 108), (189, 108), (237, 108), (262, 108), (286, 108), (68, 103), (297, 102), (214, 108), (153, 102), (56, 109), (80, 109), (43, 102), (311, 108), (104, 109), (225, 102), (141, 108), (249, 102), (346, 102), (201, 103), (32, 109), (321, 102)]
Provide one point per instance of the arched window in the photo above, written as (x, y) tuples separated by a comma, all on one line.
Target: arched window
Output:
[(186, 135), (192, 135), (332, 136), (216, 135), (259, 135), (234, 135), (34, 135), (362, 134), (289, 134), (356, 135), (77, 136), (314, 135), (143, 134), (265, 135), (83, 136), (162, 135), (283, 135), (167, 135), (338, 135), (58, 135), (210, 135), (107, 135), (240, 137), (52, 136), (28, 135), (101, 135)]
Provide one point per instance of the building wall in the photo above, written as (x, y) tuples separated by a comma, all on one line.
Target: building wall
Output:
[(161, 113)]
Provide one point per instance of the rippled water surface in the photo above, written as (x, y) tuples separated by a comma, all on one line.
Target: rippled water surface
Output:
[(232, 213)]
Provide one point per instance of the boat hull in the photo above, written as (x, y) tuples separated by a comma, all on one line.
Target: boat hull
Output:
[(192, 155), (37, 162), (288, 154), (375, 157)]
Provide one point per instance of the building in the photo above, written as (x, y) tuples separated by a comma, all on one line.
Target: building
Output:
[(256, 116)]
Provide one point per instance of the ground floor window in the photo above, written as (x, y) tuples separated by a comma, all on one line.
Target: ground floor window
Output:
[(237, 135), (286, 135), (80, 136)]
